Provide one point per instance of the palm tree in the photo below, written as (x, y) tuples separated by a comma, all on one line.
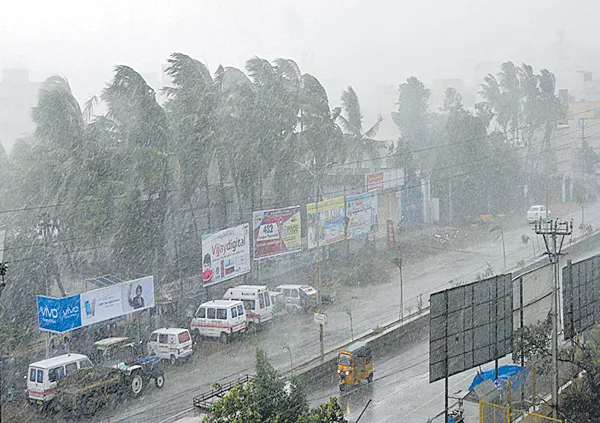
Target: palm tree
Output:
[(277, 106), (191, 105), (361, 143), (142, 129), (238, 148)]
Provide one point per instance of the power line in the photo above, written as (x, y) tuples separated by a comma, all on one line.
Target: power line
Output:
[(29, 208), (329, 193)]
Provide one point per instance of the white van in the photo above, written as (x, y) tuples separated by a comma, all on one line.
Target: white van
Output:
[(219, 319), (171, 344), (257, 303), (43, 376), (299, 297)]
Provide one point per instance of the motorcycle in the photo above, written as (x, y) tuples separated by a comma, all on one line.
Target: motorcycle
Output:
[(457, 415)]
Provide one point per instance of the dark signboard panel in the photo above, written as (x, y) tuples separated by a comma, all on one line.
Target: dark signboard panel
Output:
[(470, 325), (581, 296)]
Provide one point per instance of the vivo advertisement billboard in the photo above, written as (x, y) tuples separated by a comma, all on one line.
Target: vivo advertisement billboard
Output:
[(59, 314), (64, 314)]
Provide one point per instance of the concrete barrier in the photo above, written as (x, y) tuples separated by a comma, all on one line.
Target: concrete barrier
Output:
[(395, 336)]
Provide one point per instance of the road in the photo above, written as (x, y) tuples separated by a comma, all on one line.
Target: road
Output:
[(401, 390), (370, 306)]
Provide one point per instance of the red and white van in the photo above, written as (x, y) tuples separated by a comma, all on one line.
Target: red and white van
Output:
[(43, 376), (219, 319), (257, 303)]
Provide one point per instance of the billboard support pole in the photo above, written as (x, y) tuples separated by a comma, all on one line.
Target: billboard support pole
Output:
[(47, 337), (446, 360)]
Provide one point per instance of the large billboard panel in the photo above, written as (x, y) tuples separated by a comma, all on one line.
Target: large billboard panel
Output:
[(581, 295), (64, 314), (116, 300), (276, 232), (361, 211), (225, 254), (470, 325), (330, 221), (58, 314), (532, 296)]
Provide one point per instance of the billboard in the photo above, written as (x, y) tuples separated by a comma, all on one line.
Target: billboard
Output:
[(532, 296), (330, 220), (116, 300), (58, 314), (64, 314), (276, 232), (375, 181), (386, 179), (581, 295), (225, 254), (470, 325), (361, 211)]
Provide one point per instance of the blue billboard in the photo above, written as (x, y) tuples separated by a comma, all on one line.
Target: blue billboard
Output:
[(59, 314)]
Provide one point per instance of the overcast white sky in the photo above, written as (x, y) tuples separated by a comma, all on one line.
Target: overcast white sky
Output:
[(363, 43)]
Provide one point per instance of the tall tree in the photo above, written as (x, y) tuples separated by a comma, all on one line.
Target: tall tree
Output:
[(360, 143), (142, 128), (411, 117)]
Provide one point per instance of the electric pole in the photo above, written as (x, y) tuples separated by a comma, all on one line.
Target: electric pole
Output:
[(582, 159), (552, 230)]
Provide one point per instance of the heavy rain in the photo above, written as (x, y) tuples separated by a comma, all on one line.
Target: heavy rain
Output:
[(273, 212)]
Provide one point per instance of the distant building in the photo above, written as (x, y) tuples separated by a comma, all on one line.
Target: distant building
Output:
[(18, 95)]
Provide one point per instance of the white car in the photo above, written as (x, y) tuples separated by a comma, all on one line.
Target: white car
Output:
[(538, 212), (171, 344)]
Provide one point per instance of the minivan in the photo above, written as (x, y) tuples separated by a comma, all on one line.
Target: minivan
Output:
[(257, 303), (299, 297), (43, 376), (171, 344), (219, 319)]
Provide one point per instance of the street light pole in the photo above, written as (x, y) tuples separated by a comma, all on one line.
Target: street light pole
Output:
[(287, 347), (551, 230), (349, 313)]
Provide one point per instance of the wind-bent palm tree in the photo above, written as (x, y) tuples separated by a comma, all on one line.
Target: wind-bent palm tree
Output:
[(360, 143), (142, 128), (191, 105)]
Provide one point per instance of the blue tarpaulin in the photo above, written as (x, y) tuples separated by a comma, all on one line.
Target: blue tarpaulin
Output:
[(516, 375)]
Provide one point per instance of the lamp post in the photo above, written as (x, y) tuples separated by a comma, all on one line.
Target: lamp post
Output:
[(287, 347), (349, 313), (398, 262)]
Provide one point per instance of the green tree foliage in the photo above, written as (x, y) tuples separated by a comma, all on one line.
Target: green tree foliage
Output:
[(358, 142), (581, 402), (412, 115), (268, 400), (142, 129)]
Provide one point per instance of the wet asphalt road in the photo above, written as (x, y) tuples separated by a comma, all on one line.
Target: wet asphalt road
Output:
[(401, 387)]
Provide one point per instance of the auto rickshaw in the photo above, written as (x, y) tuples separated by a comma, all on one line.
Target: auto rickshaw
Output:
[(354, 365)]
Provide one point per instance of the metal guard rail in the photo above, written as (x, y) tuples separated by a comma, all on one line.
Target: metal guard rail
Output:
[(203, 402)]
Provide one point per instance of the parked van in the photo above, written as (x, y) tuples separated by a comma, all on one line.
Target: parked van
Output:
[(257, 303), (299, 297), (43, 376), (219, 319), (171, 344)]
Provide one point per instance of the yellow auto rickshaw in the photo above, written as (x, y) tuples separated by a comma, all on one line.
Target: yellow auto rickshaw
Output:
[(354, 365)]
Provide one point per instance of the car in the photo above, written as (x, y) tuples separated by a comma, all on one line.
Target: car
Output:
[(42, 377), (299, 297), (538, 212), (122, 354), (171, 344)]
